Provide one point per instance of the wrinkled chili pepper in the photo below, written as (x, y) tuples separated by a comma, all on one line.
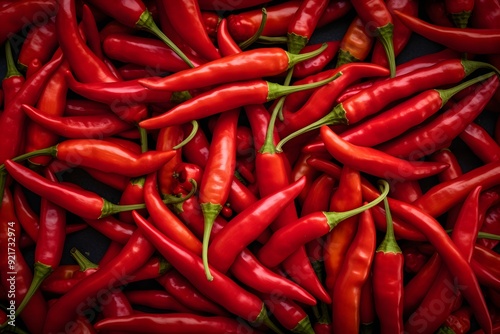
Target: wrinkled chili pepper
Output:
[(470, 40), (353, 275), (222, 289)]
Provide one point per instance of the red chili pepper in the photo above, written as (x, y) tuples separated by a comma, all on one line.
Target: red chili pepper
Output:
[(401, 34), (172, 323), (116, 305), (470, 40), (318, 198), (188, 294), (49, 245), (491, 224), (18, 15), (13, 80), (464, 236), (406, 191), (406, 115), (112, 228), (246, 65), (149, 52), (388, 280), (229, 242), (377, 17), (92, 126), (485, 265), (346, 197), (185, 17), (459, 11), (157, 299), (82, 107), (458, 322), (289, 314), (288, 239), (14, 262), (414, 259), (225, 42), (353, 275), (316, 64), (135, 14), (216, 181), (411, 144), (481, 143), (485, 14), (356, 43), (225, 5), (221, 289), (132, 257)]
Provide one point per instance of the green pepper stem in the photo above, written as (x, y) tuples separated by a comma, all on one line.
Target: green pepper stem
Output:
[(304, 326), (144, 139), (336, 116), (245, 44), (281, 102), (263, 318), (384, 35), (188, 138), (334, 218), (472, 65), (272, 40), (40, 273), (295, 58), (146, 22), (447, 94), (389, 244), (210, 212), (52, 151), (179, 97), (485, 235), (12, 70), (82, 260)]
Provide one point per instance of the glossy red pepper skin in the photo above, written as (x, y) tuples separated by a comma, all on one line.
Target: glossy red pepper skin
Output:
[(484, 263), (225, 42), (410, 145), (229, 242), (112, 228), (16, 15), (481, 143), (352, 276), (346, 197), (316, 64), (148, 52), (376, 162), (157, 299), (356, 43), (12, 119), (93, 126), (470, 40), (485, 14), (186, 19), (188, 294), (40, 43), (14, 262), (288, 313), (221, 289), (172, 323)]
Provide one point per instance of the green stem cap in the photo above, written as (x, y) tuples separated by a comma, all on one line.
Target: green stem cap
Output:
[(263, 318), (210, 212), (82, 260), (384, 35), (447, 94), (334, 218), (461, 20), (40, 273), (146, 22), (345, 57), (389, 244), (303, 327), (472, 65), (295, 43)]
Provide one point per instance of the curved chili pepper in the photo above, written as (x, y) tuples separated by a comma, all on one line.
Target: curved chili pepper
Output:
[(13, 79), (356, 43), (225, 42), (288, 239), (92, 126), (353, 275), (318, 197), (19, 14), (481, 143), (484, 263), (49, 245), (407, 191), (289, 314), (446, 156), (399, 119), (376, 16), (459, 11), (491, 225), (346, 197), (188, 294), (229, 242), (168, 138), (485, 14), (108, 156), (464, 236), (221, 289), (185, 17), (28, 219), (470, 40), (388, 280), (52, 102), (215, 183), (223, 98), (464, 112), (172, 323), (148, 52), (165, 220), (369, 101), (81, 202), (317, 63), (376, 162), (157, 299), (116, 305), (132, 257), (132, 194), (135, 14), (245, 65)]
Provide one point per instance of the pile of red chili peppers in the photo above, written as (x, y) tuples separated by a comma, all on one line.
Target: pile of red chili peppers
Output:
[(220, 166)]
